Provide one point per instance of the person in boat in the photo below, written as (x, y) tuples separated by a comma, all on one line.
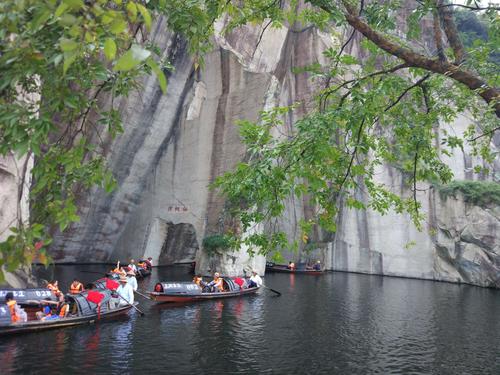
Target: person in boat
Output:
[(131, 280), (291, 266), (54, 288), (142, 265), (240, 282), (255, 280), (46, 311), (149, 263), (317, 266), (217, 284), (76, 287), (132, 266), (13, 307), (198, 280), (125, 294)]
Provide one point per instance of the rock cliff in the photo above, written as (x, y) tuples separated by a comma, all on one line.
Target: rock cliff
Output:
[(174, 146)]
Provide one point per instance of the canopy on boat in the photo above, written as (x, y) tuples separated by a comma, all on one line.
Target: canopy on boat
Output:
[(189, 287), (86, 307), (28, 296), (178, 288)]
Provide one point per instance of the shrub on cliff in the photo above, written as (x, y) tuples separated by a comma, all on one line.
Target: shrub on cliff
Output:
[(480, 193)]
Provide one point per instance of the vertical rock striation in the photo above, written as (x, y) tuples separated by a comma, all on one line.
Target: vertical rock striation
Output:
[(174, 146)]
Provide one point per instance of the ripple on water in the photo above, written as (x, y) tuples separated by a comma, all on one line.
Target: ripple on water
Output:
[(336, 323)]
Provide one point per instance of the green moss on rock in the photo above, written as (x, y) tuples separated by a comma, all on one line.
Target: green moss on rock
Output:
[(480, 193)]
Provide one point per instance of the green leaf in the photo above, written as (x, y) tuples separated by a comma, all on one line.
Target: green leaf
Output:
[(110, 48), (130, 59), (68, 45), (162, 80), (69, 58), (61, 9), (118, 26), (132, 11), (74, 4), (145, 14)]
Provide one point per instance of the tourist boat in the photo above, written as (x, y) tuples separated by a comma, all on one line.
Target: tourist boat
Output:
[(189, 292), (141, 273), (284, 269), (84, 312)]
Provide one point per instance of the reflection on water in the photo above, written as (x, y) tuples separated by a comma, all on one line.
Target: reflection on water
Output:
[(334, 323)]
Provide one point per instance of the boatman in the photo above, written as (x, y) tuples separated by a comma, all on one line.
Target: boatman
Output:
[(317, 266), (76, 287), (255, 280), (131, 280), (125, 292)]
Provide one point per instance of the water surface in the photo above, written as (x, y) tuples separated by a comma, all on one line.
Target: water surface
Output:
[(336, 323)]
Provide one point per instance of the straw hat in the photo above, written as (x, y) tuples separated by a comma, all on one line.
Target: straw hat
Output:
[(123, 279), (131, 273)]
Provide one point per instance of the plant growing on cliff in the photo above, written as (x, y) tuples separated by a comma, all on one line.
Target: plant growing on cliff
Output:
[(481, 193), (217, 243), (381, 109)]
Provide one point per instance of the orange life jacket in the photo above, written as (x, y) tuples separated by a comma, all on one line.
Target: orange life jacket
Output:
[(63, 311), (53, 288), (76, 288), (219, 283), (12, 307)]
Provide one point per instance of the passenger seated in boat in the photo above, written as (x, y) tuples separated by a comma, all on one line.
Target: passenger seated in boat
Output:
[(54, 288), (76, 287), (132, 266), (255, 280), (240, 282), (217, 284), (198, 280), (46, 311), (15, 310), (317, 266), (291, 266)]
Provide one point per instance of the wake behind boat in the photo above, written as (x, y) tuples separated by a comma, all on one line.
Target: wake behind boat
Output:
[(189, 292)]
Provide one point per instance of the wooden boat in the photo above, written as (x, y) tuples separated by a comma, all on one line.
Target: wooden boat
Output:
[(141, 273), (85, 312), (190, 292), (285, 269)]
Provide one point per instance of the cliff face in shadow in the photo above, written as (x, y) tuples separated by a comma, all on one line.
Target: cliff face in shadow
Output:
[(174, 146)]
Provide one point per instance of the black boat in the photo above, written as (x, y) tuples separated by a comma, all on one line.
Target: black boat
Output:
[(190, 292), (81, 310), (271, 267)]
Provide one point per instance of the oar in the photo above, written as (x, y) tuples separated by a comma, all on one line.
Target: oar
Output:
[(272, 290), (143, 295), (140, 312)]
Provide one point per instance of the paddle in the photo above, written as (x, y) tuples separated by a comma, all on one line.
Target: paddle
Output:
[(140, 312), (143, 295), (272, 290)]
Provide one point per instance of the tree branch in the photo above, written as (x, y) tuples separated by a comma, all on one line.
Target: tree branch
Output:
[(438, 36), (450, 29), (491, 95)]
